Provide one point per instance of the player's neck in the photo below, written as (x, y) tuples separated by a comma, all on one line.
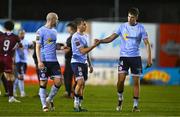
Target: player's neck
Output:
[(48, 25), (133, 24), (8, 31), (80, 32)]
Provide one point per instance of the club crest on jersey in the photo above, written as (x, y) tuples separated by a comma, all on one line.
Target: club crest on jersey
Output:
[(77, 42)]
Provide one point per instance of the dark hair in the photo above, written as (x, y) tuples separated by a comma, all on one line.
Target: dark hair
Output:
[(9, 25), (78, 21), (134, 11), (72, 25)]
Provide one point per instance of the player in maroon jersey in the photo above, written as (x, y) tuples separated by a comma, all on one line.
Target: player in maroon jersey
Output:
[(8, 43)]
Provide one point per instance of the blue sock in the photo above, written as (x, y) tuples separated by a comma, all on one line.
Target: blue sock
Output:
[(53, 92), (21, 86), (42, 95), (15, 85)]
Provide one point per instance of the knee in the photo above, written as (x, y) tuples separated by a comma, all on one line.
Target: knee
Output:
[(58, 82), (136, 83), (21, 77), (43, 84), (120, 81), (80, 83)]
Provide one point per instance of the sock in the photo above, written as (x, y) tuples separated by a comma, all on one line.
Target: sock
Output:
[(10, 88), (120, 96), (76, 100), (53, 92), (135, 101), (80, 100), (21, 85), (42, 95), (15, 85)]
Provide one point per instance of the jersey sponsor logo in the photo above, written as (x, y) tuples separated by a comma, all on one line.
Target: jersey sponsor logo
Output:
[(125, 36), (49, 41)]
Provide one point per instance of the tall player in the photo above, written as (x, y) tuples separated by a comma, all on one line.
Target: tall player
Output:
[(79, 60), (47, 60), (131, 33), (8, 44)]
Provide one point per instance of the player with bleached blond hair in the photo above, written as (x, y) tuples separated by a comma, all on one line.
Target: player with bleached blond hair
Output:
[(47, 61)]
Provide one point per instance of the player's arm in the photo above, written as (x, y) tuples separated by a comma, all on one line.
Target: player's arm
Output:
[(68, 46), (109, 39), (67, 49), (89, 64), (85, 50), (38, 47), (148, 49)]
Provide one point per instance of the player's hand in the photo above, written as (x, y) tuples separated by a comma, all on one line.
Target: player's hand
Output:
[(149, 62), (20, 45), (40, 65), (96, 42), (59, 46), (90, 69), (65, 47)]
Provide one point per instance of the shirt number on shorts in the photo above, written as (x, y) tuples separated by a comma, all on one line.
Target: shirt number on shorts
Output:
[(6, 45)]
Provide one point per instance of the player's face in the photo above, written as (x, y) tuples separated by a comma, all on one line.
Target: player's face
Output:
[(132, 19), (83, 26), (21, 35), (69, 30), (55, 21)]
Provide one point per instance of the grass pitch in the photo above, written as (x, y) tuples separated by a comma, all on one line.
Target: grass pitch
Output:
[(100, 101)]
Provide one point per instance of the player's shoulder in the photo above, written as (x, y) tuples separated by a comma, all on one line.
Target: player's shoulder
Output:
[(12, 35), (41, 29), (1, 33), (122, 25), (15, 36), (75, 35), (140, 25), (54, 30)]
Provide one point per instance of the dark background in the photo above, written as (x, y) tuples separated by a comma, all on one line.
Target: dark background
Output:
[(156, 11)]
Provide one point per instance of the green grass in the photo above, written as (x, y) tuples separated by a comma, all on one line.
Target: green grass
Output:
[(100, 101)]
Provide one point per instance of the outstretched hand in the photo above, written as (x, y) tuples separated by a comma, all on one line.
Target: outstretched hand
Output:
[(96, 42)]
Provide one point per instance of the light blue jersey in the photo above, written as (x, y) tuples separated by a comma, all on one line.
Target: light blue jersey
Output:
[(21, 54), (78, 41), (130, 39), (47, 40)]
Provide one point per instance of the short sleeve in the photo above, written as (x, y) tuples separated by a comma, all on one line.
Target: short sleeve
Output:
[(144, 34), (118, 30), (39, 36)]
